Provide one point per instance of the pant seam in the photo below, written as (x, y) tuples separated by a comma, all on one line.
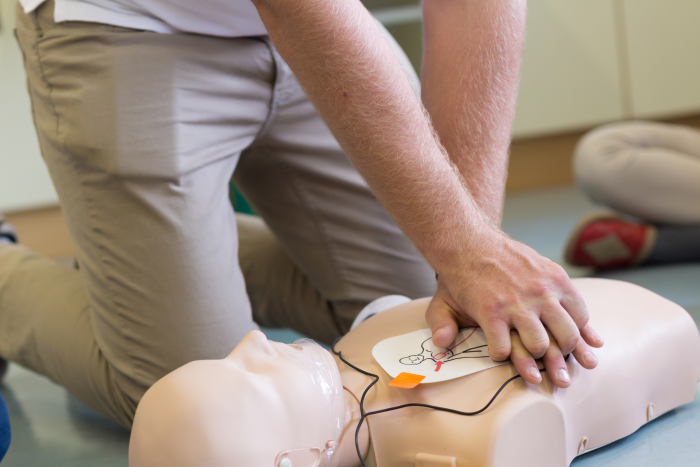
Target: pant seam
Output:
[(40, 59), (274, 99)]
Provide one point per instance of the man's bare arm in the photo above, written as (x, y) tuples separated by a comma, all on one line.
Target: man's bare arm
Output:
[(350, 74), (471, 63)]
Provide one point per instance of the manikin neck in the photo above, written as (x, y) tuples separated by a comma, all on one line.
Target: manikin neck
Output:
[(346, 451)]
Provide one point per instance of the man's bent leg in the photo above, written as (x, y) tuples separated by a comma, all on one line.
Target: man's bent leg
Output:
[(141, 133), (346, 248), (45, 319), (281, 294)]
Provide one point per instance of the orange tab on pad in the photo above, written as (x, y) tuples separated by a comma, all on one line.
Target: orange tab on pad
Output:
[(406, 380)]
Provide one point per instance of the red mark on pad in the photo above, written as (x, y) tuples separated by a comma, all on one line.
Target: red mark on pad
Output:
[(441, 355), (438, 365)]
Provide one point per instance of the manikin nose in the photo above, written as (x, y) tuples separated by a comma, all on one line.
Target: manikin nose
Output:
[(258, 341)]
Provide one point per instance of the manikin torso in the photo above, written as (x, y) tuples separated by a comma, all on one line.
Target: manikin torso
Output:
[(259, 404), (649, 365)]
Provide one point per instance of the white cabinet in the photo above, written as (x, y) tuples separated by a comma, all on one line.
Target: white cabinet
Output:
[(24, 180), (663, 48), (570, 73)]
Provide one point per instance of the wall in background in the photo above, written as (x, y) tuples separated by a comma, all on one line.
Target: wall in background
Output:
[(664, 60), (570, 73), (24, 181)]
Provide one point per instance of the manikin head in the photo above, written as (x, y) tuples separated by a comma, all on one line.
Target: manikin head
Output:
[(247, 409)]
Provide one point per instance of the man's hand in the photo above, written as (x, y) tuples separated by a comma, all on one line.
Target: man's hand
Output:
[(507, 287), (553, 360)]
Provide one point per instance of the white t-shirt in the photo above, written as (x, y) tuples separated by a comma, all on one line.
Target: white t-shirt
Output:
[(227, 18)]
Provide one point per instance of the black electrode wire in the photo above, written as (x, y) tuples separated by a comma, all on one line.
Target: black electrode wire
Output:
[(389, 409)]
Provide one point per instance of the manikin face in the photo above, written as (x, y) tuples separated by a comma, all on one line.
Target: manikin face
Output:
[(263, 399)]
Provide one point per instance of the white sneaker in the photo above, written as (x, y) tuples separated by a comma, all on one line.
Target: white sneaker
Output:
[(7, 232), (377, 306)]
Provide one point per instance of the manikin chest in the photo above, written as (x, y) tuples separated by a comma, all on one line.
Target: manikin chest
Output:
[(648, 366)]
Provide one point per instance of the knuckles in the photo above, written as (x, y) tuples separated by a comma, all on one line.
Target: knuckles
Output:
[(568, 344), (499, 354), (559, 275), (538, 349), (495, 308), (540, 288)]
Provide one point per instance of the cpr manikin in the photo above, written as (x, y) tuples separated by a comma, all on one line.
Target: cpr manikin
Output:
[(270, 404)]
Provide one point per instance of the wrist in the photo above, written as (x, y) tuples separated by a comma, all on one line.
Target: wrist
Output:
[(458, 251)]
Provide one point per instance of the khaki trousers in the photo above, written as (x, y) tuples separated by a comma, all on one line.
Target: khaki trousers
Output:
[(141, 133)]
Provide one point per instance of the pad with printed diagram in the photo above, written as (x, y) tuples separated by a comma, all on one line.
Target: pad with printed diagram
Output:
[(415, 353)]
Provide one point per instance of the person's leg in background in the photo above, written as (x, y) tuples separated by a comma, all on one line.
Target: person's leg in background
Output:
[(331, 247), (141, 133), (650, 171)]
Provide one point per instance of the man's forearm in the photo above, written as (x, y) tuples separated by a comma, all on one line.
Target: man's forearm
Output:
[(470, 74), (350, 74)]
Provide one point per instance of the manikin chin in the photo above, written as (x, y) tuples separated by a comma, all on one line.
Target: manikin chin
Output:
[(269, 404)]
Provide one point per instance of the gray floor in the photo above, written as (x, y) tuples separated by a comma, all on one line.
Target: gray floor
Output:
[(49, 427)]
